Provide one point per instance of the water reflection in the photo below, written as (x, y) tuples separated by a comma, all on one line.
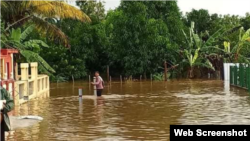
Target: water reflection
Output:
[(99, 110), (132, 111), (80, 106)]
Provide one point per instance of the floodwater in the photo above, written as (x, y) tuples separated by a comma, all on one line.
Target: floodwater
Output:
[(131, 110)]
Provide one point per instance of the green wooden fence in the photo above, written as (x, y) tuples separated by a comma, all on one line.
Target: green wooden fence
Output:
[(240, 76)]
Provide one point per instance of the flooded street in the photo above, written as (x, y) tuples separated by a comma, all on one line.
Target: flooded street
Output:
[(132, 110)]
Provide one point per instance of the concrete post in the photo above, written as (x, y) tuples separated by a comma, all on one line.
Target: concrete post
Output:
[(227, 70), (80, 92), (16, 97), (41, 84), (48, 84), (16, 71), (34, 72), (25, 77), (44, 83), (24, 71), (95, 92)]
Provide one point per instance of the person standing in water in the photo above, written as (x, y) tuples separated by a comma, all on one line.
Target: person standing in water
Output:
[(99, 84), (7, 104)]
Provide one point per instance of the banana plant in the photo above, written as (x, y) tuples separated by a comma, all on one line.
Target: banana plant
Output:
[(195, 60), (233, 54), (28, 48), (244, 41), (193, 52)]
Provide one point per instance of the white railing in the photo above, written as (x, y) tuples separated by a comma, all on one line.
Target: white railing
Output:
[(30, 86)]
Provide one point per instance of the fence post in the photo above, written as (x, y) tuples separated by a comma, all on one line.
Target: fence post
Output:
[(244, 77), (80, 92), (95, 93), (235, 75), (25, 77), (231, 75), (34, 72), (240, 75)]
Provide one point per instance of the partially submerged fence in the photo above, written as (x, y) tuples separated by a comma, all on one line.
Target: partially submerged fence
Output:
[(240, 76), (30, 86)]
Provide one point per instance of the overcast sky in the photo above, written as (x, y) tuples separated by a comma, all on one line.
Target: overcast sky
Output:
[(232, 7)]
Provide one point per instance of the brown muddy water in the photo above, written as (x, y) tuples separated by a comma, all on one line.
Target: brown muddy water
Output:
[(132, 110)]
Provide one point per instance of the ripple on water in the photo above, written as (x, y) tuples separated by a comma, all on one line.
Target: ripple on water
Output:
[(132, 111)]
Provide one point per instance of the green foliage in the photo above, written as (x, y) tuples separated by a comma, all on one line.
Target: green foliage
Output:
[(160, 76), (195, 46), (29, 49), (58, 78), (139, 43), (94, 9), (133, 39), (200, 17), (243, 44), (3, 37), (38, 13), (64, 63), (169, 12), (88, 42)]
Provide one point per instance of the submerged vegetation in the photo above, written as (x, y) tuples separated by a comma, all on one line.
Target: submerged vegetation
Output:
[(135, 39)]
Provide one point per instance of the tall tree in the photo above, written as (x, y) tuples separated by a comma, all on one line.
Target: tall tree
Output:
[(93, 34), (94, 9), (138, 42), (201, 18), (169, 12), (88, 41)]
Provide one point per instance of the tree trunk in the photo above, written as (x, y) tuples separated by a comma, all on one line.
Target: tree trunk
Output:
[(73, 78), (107, 73), (191, 73), (165, 71), (236, 57), (145, 76)]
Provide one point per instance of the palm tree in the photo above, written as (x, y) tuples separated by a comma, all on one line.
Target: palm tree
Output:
[(2, 35), (17, 13)]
